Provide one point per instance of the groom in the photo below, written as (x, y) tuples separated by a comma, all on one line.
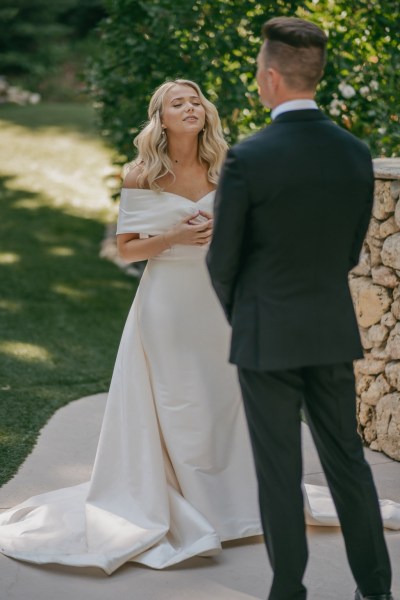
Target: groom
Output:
[(292, 209)]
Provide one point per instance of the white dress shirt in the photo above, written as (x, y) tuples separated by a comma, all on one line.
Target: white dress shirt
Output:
[(300, 104)]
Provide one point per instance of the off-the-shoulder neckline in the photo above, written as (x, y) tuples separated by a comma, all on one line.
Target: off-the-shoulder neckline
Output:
[(170, 193)]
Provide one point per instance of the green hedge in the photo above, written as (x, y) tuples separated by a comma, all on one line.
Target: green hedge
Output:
[(215, 42)]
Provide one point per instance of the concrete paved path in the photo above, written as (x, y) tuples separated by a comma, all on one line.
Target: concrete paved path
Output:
[(64, 456)]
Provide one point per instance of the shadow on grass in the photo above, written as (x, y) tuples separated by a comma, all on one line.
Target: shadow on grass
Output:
[(79, 118), (62, 311)]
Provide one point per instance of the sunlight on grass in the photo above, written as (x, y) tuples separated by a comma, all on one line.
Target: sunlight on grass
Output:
[(25, 351), (69, 167), (66, 290), (9, 258), (9, 438), (120, 285), (61, 251), (10, 305), (27, 204)]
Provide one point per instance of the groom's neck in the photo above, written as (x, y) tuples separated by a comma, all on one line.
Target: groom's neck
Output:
[(292, 95)]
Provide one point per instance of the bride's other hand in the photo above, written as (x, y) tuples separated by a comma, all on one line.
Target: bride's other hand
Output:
[(191, 231), (206, 214)]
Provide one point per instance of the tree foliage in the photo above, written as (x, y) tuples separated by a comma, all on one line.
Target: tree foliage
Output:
[(215, 42), (38, 36)]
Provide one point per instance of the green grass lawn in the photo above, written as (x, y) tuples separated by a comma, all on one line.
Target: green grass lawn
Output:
[(62, 308)]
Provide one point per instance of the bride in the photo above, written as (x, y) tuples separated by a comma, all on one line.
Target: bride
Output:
[(173, 475)]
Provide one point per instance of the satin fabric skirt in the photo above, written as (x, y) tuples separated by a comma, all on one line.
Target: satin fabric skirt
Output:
[(173, 474)]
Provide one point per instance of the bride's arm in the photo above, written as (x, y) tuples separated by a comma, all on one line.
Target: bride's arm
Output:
[(133, 249)]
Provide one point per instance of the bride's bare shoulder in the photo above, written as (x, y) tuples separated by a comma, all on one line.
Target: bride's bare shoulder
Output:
[(131, 179)]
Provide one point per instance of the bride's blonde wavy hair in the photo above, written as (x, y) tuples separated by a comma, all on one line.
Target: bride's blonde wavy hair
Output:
[(152, 143)]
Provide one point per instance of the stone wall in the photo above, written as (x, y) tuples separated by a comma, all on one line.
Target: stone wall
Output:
[(375, 286)]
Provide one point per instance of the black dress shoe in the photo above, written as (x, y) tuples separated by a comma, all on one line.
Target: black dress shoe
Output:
[(359, 596)]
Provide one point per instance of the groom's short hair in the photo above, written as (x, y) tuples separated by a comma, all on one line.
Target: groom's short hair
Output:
[(297, 49)]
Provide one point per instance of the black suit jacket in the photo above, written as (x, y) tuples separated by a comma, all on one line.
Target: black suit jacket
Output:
[(291, 211)]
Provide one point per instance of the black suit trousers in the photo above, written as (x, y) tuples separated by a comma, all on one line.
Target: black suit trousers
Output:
[(273, 402)]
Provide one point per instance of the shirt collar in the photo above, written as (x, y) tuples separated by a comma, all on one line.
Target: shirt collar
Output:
[(300, 104)]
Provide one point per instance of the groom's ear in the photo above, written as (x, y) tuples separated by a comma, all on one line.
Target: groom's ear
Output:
[(274, 77)]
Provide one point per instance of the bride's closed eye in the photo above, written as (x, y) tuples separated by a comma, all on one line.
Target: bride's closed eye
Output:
[(193, 103), (180, 104)]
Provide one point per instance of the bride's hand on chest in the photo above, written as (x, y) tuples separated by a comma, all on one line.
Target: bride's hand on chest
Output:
[(193, 230)]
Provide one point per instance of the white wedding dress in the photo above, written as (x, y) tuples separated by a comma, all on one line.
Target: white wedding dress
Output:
[(173, 475)]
